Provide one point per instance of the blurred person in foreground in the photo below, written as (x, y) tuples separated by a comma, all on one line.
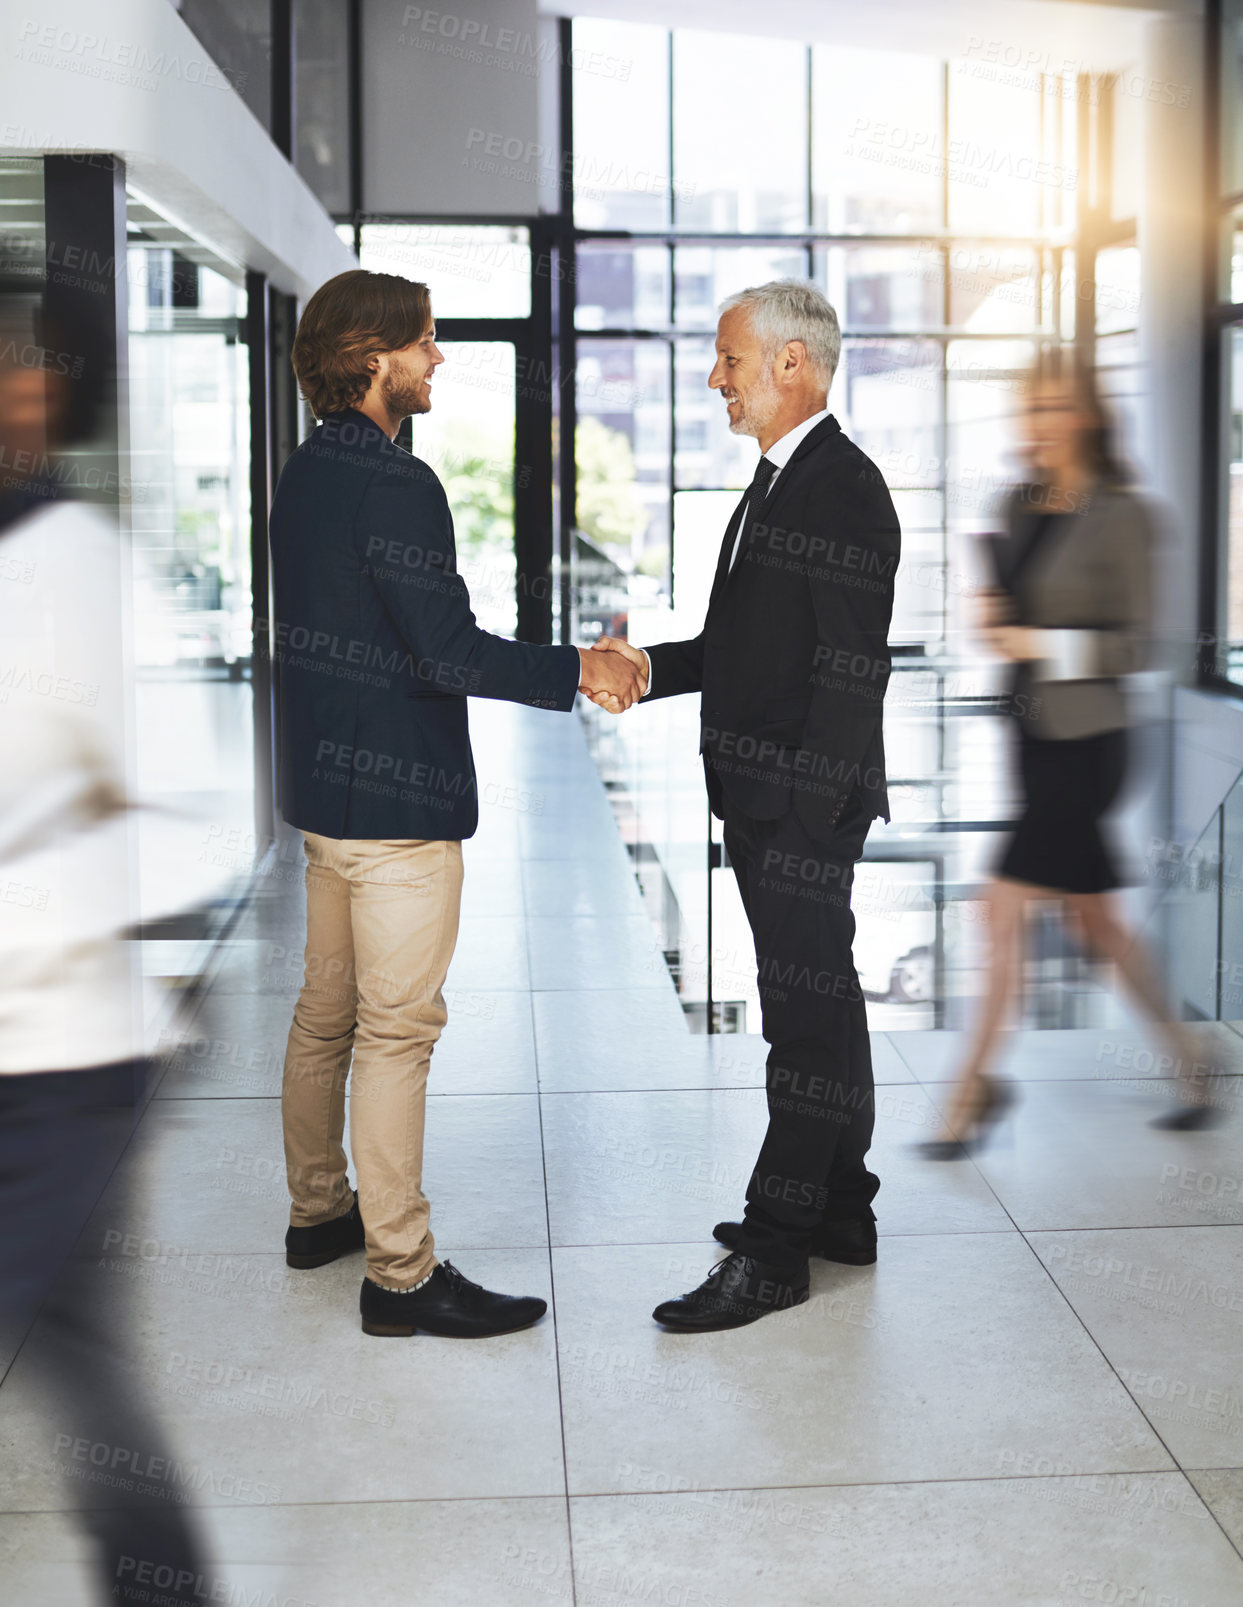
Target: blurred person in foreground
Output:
[(378, 651), (73, 1066), (1071, 611)]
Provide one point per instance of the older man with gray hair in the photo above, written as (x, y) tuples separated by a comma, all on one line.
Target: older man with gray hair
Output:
[(792, 665)]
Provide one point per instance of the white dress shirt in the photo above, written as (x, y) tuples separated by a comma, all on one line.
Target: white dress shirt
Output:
[(778, 454)]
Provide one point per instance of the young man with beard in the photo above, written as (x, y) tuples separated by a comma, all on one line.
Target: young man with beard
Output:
[(378, 651)]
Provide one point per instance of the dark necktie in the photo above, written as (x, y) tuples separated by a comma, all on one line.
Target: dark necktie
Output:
[(742, 518), (764, 471), (756, 492)]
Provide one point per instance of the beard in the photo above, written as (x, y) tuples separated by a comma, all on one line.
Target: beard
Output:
[(759, 409), (402, 394)]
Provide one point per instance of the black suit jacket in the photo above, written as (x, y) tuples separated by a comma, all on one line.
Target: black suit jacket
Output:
[(377, 646), (793, 659)]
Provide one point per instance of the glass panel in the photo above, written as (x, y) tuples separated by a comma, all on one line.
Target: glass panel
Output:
[(735, 990), (920, 589), (888, 394), (1231, 968), (993, 290), (190, 515), (1120, 379), (621, 125), (1194, 899), (1233, 500), (620, 287), (1230, 256), (1117, 289), (654, 763), (237, 35), (622, 458), (704, 275), (468, 438), (321, 44), (472, 271), (877, 142), (895, 942), (1057, 180), (23, 249), (984, 386), (883, 287), (1069, 296), (736, 172), (706, 453), (1231, 97), (1128, 144), (700, 519), (995, 171)]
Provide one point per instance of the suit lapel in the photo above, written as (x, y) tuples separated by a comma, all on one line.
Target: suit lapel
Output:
[(823, 431), (727, 548)]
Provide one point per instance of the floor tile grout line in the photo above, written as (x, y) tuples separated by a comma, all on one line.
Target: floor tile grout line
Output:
[(891, 1484), (1099, 1348), (701, 1489), (1031, 1250), (656, 1244), (552, 1288)]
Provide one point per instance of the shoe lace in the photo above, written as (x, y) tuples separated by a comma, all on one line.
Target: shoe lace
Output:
[(456, 1280)]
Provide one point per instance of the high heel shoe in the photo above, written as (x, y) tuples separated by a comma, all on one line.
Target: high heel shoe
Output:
[(1197, 1116), (997, 1098)]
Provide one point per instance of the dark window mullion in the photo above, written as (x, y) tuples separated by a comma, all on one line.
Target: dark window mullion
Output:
[(810, 212)]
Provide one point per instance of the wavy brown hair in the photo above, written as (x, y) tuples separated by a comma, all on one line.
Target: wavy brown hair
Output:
[(347, 322), (1061, 365)]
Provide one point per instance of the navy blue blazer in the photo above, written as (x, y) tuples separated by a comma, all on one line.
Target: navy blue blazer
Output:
[(377, 646)]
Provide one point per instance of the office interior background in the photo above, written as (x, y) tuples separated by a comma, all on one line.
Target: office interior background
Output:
[(580, 185)]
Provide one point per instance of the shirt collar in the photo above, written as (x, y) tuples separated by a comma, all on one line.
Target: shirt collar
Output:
[(781, 451)]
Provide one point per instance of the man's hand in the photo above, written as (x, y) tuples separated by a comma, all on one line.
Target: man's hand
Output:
[(614, 674)]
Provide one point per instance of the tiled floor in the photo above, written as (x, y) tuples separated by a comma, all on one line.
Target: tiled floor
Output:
[(1035, 1397)]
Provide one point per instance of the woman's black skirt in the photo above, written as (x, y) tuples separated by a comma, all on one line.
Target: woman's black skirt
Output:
[(1068, 787)]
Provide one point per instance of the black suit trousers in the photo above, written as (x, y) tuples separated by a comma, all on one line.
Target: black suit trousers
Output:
[(821, 1098)]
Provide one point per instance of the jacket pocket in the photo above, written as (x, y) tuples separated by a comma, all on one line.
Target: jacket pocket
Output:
[(782, 710)]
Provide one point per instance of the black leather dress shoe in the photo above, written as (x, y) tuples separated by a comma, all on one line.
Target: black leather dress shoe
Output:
[(737, 1291), (317, 1246), (853, 1243), (447, 1304)]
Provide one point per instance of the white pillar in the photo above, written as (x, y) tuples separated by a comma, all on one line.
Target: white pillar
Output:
[(1171, 233)]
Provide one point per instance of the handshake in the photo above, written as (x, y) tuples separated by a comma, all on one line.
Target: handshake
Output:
[(614, 673)]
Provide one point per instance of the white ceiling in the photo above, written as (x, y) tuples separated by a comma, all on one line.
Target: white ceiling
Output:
[(1096, 36)]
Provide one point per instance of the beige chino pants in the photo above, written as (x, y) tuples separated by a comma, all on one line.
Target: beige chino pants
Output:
[(381, 926)]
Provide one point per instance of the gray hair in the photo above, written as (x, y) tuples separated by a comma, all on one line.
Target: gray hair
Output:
[(791, 309)]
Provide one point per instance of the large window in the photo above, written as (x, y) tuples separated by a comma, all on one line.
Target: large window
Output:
[(873, 160), (1224, 626), (190, 518), (936, 207), (479, 276)]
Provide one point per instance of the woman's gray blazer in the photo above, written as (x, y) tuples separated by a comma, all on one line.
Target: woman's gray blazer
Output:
[(1089, 588)]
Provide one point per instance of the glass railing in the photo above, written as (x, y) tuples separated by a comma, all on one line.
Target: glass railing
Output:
[(920, 947), (1200, 914)]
